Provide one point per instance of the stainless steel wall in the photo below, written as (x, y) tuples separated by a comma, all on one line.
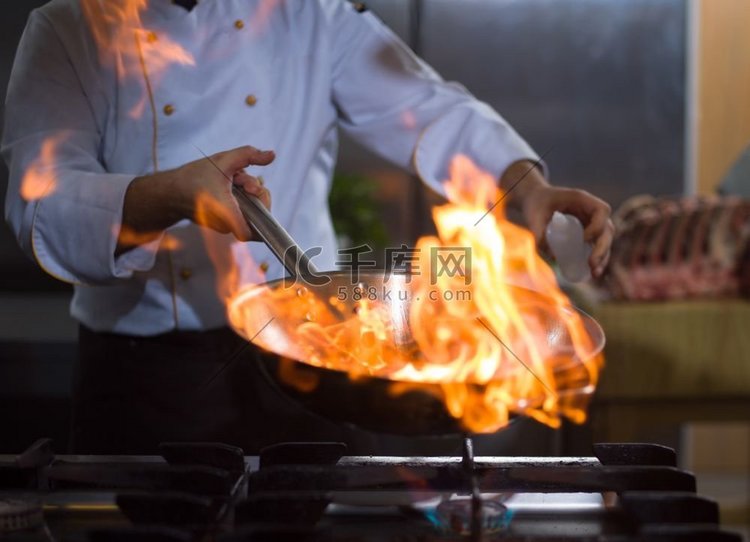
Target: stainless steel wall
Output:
[(599, 84)]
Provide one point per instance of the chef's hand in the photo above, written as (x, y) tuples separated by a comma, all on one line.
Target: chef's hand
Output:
[(200, 191), (537, 201), (206, 196)]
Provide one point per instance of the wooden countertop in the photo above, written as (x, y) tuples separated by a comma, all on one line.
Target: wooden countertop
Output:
[(676, 349)]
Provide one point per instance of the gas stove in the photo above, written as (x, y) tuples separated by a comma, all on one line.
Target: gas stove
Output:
[(314, 492)]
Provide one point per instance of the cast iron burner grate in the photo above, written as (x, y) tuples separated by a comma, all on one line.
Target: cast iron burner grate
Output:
[(314, 492), (646, 496)]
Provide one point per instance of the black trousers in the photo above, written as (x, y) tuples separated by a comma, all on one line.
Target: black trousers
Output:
[(131, 393)]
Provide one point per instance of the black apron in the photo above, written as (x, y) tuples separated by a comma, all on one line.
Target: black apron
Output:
[(131, 393)]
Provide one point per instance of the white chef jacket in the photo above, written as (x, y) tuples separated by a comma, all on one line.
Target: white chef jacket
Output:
[(281, 75)]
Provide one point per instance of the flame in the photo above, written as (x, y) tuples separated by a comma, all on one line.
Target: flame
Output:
[(217, 245), (132, 237), (40, 179), (232, 262), (124, 44), (262, 16), (409, 120), (493, 336), (301, 380)]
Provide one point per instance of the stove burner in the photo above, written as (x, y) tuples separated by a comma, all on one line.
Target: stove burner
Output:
[(457, 515), (17, 516)]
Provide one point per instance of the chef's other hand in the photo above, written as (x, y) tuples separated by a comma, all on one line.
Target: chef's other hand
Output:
[(593, 213), (200, 191), (206, 197), (537, 201)]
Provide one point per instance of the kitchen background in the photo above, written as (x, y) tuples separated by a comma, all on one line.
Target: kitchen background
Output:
[(625, 98)]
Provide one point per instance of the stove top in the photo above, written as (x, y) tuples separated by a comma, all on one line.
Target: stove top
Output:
[(315, 492)]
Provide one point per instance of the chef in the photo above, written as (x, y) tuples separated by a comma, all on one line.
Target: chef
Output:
[(115, 120)]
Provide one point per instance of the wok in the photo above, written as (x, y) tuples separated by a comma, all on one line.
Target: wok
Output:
[(366, 401)]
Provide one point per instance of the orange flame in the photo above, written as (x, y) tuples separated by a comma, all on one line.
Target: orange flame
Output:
[(492, 338), (262, 16), (131, 237), (409, 120), (124, 44), (233, 264), (218, 245), (40, 179)]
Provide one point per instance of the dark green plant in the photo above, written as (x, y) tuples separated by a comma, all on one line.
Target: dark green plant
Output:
[(355, 211)]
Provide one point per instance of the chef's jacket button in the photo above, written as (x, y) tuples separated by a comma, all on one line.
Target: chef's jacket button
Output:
[(239, 24), (168, 109), (264, 267), (186, 273), (251, 100), (151, 37)]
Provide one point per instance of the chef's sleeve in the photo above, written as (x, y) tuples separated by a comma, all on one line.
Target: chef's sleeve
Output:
[(62, 205), (395, 104)]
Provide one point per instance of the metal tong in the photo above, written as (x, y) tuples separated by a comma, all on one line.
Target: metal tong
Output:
[(273, 234)]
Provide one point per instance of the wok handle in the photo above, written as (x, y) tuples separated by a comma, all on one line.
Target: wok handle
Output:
[(273, 234)]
